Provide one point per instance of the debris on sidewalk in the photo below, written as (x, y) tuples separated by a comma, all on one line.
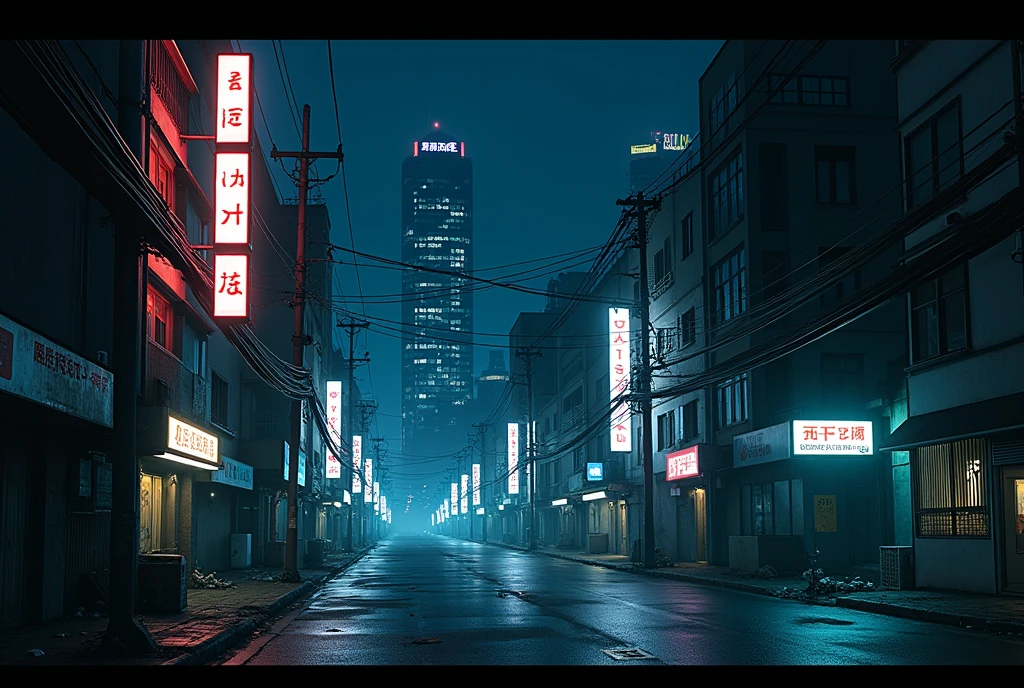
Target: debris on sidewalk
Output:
[(197, 581), (827, 586), (766, 572), (35, 653)]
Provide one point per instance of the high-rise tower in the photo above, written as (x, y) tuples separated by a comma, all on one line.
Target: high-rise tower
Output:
[(437, 309)]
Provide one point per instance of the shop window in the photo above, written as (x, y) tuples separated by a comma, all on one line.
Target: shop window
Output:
[(950, 490), (159, 319), (772, 508), (218, 400)]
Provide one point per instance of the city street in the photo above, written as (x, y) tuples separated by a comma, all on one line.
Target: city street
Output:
[(425, 599)]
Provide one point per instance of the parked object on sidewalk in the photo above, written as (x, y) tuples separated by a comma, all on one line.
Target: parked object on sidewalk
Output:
[(208, 582), (896, 568), (163, 584)]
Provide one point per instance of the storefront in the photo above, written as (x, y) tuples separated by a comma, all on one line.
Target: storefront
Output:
[(802, 485), (967, 494), (270, 461), (684, 478), (55, 475), (602, 514), (175, 459), (227, 515)]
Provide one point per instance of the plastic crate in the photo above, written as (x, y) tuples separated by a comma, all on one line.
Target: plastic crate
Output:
[(896, 568)]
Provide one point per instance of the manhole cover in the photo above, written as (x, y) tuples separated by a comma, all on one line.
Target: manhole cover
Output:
[(620, 654)]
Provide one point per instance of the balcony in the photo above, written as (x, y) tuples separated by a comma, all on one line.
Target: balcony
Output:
[(170, 383)]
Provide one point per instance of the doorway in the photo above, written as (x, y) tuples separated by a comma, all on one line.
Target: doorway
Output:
[(151, 492), (623, 539), (1013, 510), (700, 516)]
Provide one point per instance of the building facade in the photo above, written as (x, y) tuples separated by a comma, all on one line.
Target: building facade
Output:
[(437, 346), (960, 438)]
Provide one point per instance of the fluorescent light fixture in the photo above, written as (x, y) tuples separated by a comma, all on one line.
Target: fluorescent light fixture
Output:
[(560, 502), (337, 505), (594, 495), (501, 507), (187, 462), (480, 511)]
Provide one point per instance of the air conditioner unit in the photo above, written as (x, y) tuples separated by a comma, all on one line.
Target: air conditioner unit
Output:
[(896, 568)]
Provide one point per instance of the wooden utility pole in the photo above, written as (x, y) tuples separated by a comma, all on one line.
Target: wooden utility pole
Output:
[(299, 340), (481, 431), (531, 442), (377, 441), (353, 327), (640, 205)]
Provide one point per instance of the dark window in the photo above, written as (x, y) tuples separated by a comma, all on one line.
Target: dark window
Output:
[(773, 508), (219, 400), (722, 105), (842, 382), (934, 153), (951, 495), (169, 86), (810, 90), (835, 174), (686, 326), (666, 430), (726, 186), (159, 319), (773, 274), (732, 401), (730, 280), (663, 263), (162, 175), (686, 236), (827, 255), (689, 417), (939, 316), (772, 168)]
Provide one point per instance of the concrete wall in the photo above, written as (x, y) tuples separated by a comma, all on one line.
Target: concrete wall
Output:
[(960, 564)]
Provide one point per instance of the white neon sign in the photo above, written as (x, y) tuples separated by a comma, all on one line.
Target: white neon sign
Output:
[(476, 484), (234, 98), (368, 492), (357, 462), (332, 470), (231, 285), (455, 499), (464, 501), (833, 437), (619, 377), (231, 198), (513, 458)]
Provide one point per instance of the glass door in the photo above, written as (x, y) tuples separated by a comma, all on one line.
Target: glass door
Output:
[(1013, 508)]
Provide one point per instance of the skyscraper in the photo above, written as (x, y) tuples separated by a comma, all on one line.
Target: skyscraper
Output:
[(437, 309)]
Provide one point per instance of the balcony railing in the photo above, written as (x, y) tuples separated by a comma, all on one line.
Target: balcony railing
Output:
[(170, 383), (267, 425)]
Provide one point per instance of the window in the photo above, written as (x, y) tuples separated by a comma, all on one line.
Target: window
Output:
[(773, 274), (934, 153), (159, 319), (730, 280), (727, 195), (847, 285), (951, 497), (842, 382), (162, 174), (835, 174), (773, 508), (723, 103), (686, 237), (688, 415), (218, 400), (666, 430), (732, 401), (772, 168), (939, 316), (810, 90), (663, 263), (686, 326), (169, 86)]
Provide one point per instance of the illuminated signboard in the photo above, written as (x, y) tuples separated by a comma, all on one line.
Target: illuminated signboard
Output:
[(231, 286), (619, 377), (302, 465), (464, 501), (231, 194), (439, 147), (432, 516), (357, 462), (383, 504), (333, 469), (832, 437), (647, 148), (476, 484), (681, 464), (676, 142), (595, 471), (187, 440), (368, 492), (455, 498), (231, 198), (376, 496), (513, 458), (389, 515), (445, 511)]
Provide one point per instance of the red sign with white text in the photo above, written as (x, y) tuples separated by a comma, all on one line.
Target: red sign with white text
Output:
[(231, 199), (682, 464), (234, 98), (230, 286)]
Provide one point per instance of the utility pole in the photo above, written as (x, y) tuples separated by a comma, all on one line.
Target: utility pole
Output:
[(124, 635), (377, 441), (469, 499), (481, 431), (1018, 134), (353, 327), (640, 206), (531, 441), (299, 340)]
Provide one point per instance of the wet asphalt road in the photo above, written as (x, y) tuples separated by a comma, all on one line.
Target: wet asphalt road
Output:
[(425, 599)]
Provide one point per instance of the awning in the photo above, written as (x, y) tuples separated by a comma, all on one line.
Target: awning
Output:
[(982, 418)]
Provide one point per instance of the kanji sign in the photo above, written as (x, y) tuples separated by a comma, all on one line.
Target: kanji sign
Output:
[(357, 461), (619, 377), (513, 458), (368, 492), (681, 464), (832, 437), (333, 408), (189, 440), (455, 499), (231, 199), (234, 98), (231, 285), (476, 484), (464, 501), (333, 468), (824, 513)]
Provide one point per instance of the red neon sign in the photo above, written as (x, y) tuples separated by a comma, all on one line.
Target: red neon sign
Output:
[(682, 464)]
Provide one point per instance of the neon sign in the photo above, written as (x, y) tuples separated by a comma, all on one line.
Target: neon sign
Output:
[(648, 148), (438, 147), (619, 376), (676, 142)]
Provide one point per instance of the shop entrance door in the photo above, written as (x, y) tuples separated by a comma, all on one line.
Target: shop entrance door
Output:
[(700, 516), (151, 492), (623, 547), (1013, 519)]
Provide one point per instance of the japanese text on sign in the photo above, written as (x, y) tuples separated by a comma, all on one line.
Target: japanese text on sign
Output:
[(513, 458), (191, 441), (824, 513), (231, 198), (455, 499), (333, 468), (368, 492), (464, 500), (234, 98), (231, 286), (681, 464), (357, 461), (438, 147), (476, 484), (333, 408), (619, 377), (830, 437)]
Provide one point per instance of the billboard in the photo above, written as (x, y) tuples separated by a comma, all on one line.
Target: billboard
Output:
[(619, 377)]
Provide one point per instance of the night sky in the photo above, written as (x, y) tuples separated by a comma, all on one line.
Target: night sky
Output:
[(548, 125)]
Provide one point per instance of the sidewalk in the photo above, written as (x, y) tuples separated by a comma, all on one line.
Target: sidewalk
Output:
[(214, 621), (993, 613)]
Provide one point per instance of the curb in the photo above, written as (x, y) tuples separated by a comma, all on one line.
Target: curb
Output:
[(216, 645), (917, 614)]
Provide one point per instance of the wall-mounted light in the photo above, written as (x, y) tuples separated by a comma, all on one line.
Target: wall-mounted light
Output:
[(594, 495), (560, 502), (501, 507), (337, 505), (211, 494)]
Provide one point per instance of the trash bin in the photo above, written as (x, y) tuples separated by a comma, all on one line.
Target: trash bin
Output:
[(315, 553), (162, 583)]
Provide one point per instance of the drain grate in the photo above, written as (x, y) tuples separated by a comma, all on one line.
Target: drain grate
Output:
[(621, 654)]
